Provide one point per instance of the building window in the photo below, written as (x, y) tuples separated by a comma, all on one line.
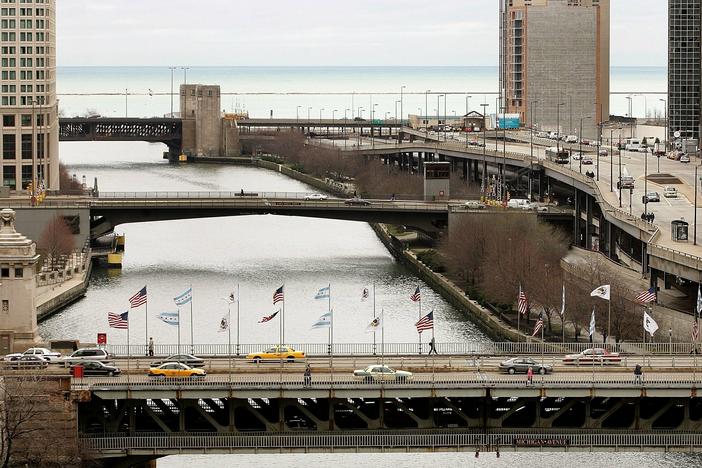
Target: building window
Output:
[(19, 273), (26, 176), (5, 306), (8, 120), (26, 146), (5, 272), (8, 177), (26, 120), (8, 146)]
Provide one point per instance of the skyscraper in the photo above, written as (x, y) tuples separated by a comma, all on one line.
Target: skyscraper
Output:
[(28, 105), (554, 63), (684, 74)]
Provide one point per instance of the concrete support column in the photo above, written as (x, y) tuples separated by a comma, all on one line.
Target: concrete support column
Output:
[(576, 219), (588, 226), (612, 240), (475, 171), (465, 169), (644, 258)]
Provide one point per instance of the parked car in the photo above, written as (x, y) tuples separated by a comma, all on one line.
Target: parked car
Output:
[(382, 373), (316, 197), (86, 354), (176, 369), (684, 158), (474, 205), (276, 353), (652, 197), (44, 352), (520, 365), (97, 368), (670, 192), (30, 361), (355, 201), (187, 359), (593, 355)]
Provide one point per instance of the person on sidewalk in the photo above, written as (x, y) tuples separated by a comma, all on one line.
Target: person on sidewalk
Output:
[(638, 373), (151, 346), (530, 376), (432, 346), (307, 376)]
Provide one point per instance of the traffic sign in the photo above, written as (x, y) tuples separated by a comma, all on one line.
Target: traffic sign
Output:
[(376, 122), (102, 339)]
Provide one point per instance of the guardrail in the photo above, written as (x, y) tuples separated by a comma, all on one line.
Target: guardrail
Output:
[(406, 349), (435, 439)]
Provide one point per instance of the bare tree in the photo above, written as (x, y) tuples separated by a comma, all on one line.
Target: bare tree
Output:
[(56, 240), (68, 186)]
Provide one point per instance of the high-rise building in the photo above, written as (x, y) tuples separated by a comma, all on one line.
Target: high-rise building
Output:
[(684, 73), (28, 105), (554, 63)]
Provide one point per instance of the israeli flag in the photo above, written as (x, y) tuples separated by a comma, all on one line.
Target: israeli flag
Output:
[(184, 298), (171, 318), (322, 293), (325, 321)]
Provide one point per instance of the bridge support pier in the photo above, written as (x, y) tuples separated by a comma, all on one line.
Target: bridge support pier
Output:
[(576, 218), (588, 225)]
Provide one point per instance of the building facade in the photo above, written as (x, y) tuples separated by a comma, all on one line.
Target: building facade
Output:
[(28, 104), (554, 63), (684, 68)]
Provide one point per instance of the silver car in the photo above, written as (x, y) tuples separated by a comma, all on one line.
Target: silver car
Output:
[(377, 372), (86, 354)]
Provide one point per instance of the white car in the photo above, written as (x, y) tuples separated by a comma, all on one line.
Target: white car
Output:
[(316, 197), (670, 192), (571, 139), (51, 356), (377, 372), (474, 205)]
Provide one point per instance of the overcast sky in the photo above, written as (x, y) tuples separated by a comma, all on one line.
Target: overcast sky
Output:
[(317, 32)]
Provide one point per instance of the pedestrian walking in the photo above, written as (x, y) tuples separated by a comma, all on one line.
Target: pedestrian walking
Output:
[(638, 373), (308, 376), (432, 346), (530, 375), (151, 346)]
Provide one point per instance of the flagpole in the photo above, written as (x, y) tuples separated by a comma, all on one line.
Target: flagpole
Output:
[(238, 302), (331, 336), (282, 319), (128, 353), (192, 341), (519, 330), (374, 345), (147, 322), (420, 318), (178, 329), (609, 314), (382, 336), (563, 314), (229, 336)]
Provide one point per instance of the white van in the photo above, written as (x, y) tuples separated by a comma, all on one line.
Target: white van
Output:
[(518, 203), (633, 144)]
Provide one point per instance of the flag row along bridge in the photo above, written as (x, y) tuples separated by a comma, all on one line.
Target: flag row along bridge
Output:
[(453, 402)]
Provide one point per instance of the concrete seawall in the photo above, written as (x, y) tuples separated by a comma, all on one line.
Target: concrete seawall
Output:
[(52, 301)]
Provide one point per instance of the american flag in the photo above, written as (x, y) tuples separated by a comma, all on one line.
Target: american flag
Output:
[(425, 323), (695, 331), (118, 320), (269, 317), (138, 299), (417, 296), (538, 326), (647, 296), (522, 303), (277, 297)]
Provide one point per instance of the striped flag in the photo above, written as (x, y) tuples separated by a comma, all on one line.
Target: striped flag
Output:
[(277, 297), (522, 302), (538, 326), (325, 321), (120, 321), (138, 299), (184, 298), (417, 296), (695, 331), (269, 317), (647, 296), (425, 323), (323, 293), (171, 318)]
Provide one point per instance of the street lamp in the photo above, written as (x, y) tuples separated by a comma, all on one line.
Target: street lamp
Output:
[(665, 138), (309, 109), (426, 113), (172, 69), (372, 119), (438, 117), (467, 107), (297, 114), (558, 127), (343, 128), (334, 111), (581, 141), (402, 88), (531, 140), (484, 171)]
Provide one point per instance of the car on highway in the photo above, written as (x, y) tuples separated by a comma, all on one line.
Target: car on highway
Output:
[(576, 156), (684, 158), (91, 368), (316, 197), (674, 155), (593, 356), (670, 192), (474, 205), (520, 365), (188, 359), (553, 135), (356, 201), (176, 370), (587, 160), (276, 353), (380, 373), (49, 355), (603, 152), (30, 361), (571, 139), (86, 354), (651, 197), (542, 135)]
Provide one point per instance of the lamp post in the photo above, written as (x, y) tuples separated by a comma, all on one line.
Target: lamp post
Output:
[(558, 127), (611, 160), (297, 115), (397, 140), (484, 171), (581, 141), (360, 131), (402, 115), (309, 109), (185, 74), (531, 140), (665, 120), (343, 128), (467, 106), (126, 102), (619, 184), (372, 119), (334, 111), (172, 69), (438, 117), (426, 113)]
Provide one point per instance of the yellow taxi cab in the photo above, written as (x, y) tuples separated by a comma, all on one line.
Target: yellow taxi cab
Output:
[(276, 353), (175, 369)]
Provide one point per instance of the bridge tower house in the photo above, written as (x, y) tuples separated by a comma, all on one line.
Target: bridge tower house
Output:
[(205, 131), (18, 314)]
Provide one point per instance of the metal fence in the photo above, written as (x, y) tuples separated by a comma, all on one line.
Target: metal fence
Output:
[(392, 439), (406, 349)]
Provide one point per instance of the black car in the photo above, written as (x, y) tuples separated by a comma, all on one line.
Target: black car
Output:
[(355, 201), (29, 361), (521, 365), (98, 368), (187, 359)]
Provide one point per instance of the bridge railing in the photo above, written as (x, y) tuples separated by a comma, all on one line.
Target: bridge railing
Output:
[(435, 439), (406, 349)]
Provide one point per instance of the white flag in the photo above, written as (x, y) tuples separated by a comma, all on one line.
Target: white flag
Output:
[(592, 323), (699, 302), (374, 325), (649, 324), (224, 324), (563, 302), (325, 321), (601, 292)]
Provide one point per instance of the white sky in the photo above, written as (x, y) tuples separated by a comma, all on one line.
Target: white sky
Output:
[(318, 32)]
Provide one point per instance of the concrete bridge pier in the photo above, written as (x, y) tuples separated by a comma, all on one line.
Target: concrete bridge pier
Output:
[(576, 218), (588, 225)]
